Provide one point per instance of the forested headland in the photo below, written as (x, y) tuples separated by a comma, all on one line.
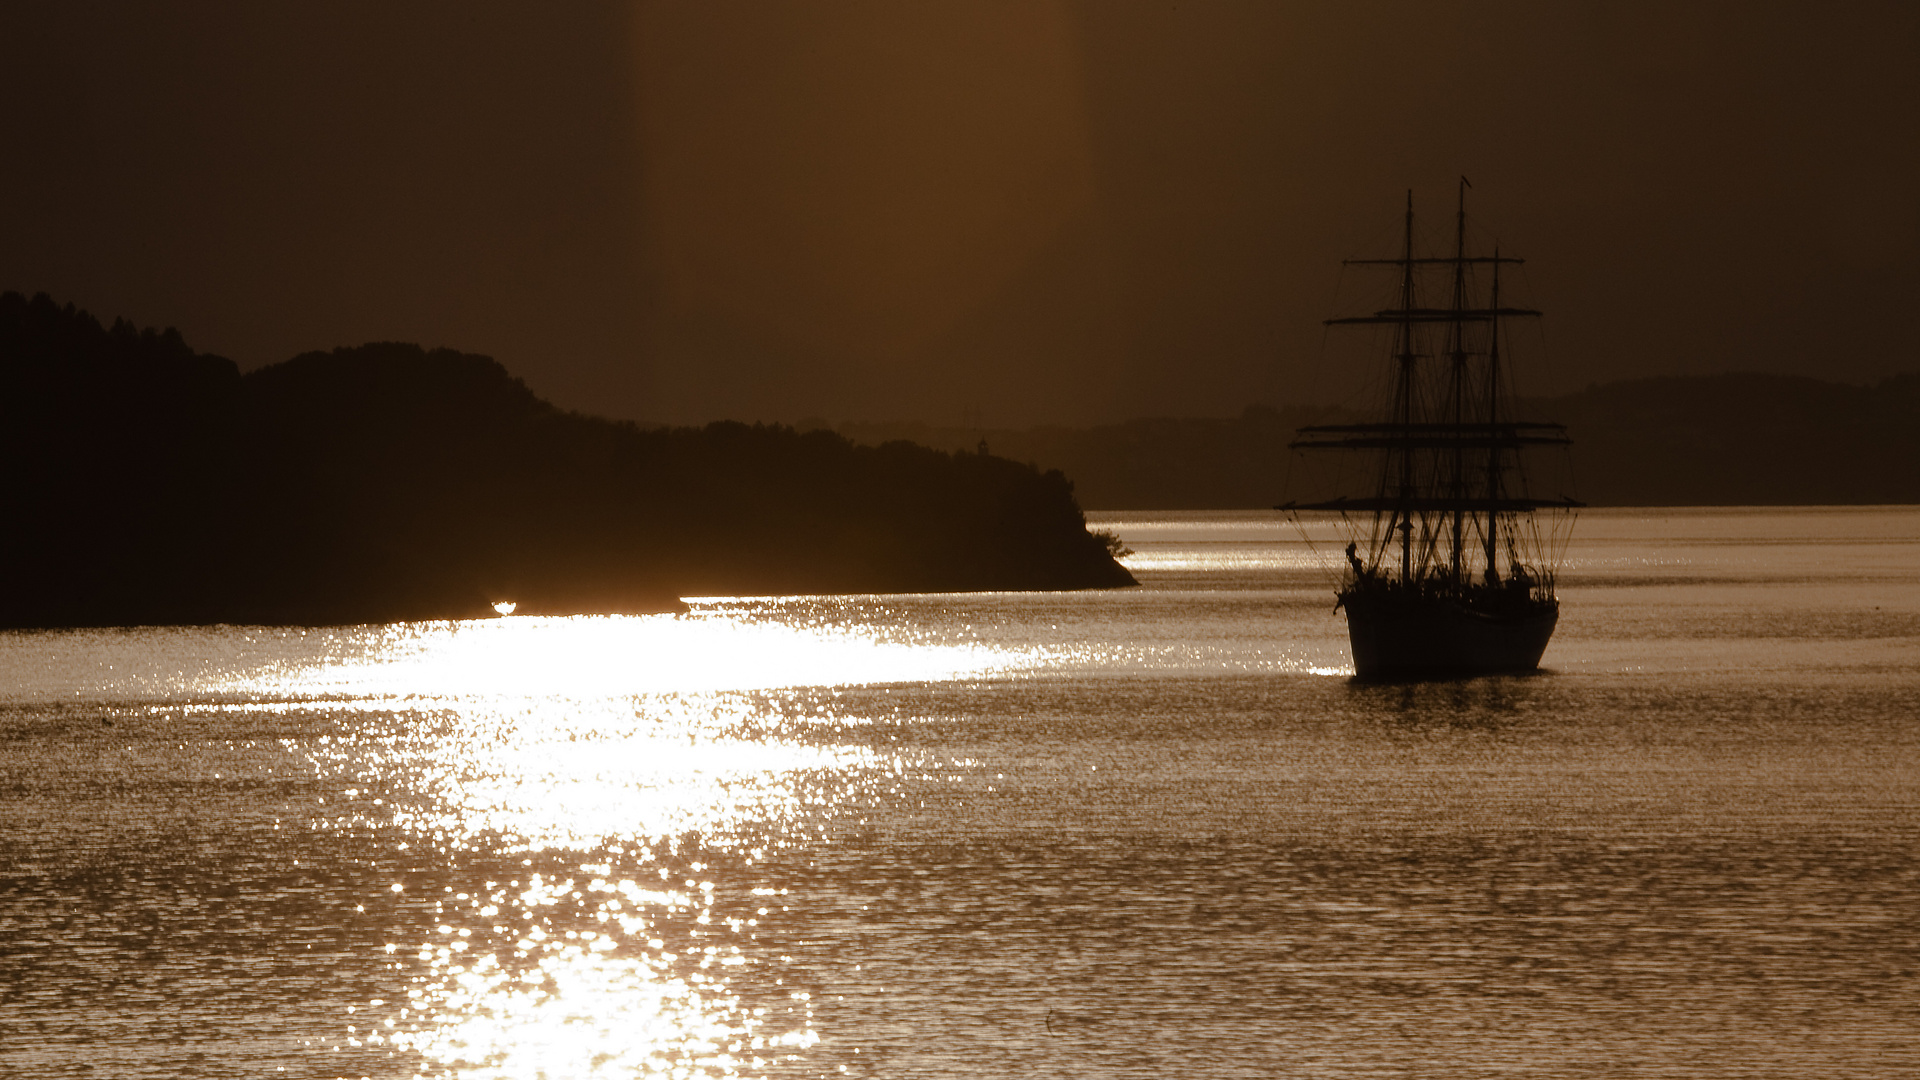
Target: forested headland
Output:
[(146, 483), (1715, 440)]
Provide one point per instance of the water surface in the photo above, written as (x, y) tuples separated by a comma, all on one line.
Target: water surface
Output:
[(1142, 833)]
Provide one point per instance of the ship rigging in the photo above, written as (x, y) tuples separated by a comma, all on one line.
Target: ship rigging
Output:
[(1447, 573)]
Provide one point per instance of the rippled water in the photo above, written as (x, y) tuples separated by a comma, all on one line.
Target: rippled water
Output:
[(1147, 833)]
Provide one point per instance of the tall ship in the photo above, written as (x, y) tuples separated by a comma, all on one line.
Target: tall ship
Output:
[(1449, 569)]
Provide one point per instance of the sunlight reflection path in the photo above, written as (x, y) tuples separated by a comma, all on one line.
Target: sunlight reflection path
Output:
[(626, 782), (559, 733), (659, 756), (590, 989), (598, 657)]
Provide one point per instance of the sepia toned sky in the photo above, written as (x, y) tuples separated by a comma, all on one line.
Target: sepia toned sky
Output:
[(1019, 212)]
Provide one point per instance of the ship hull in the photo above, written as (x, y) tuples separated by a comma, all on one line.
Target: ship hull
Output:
[(1398, 637)]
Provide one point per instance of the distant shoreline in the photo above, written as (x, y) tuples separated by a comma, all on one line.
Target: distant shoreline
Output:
[(1110, 515)]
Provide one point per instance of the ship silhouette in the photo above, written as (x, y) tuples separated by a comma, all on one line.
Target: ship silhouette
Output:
[(1449, 569)]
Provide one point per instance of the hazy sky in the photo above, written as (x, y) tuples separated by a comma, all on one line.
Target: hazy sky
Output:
[(1012, 211)]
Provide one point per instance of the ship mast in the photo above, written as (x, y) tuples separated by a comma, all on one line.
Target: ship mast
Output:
[(1433, 448), (1403, 514), (1457, 331), (1442, 613), (1494, 464)]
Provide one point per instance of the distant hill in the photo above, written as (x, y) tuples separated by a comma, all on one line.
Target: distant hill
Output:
[(150, 484), (1719, 440), (1147, 464), (1744, 439)]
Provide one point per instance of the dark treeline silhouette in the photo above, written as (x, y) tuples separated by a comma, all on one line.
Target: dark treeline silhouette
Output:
[(1718, 440), (149, 484)]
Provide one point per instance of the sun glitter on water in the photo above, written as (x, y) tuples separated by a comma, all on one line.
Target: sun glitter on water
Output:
[(615, 746), (563, 731), (605, 656), (593, 989)]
